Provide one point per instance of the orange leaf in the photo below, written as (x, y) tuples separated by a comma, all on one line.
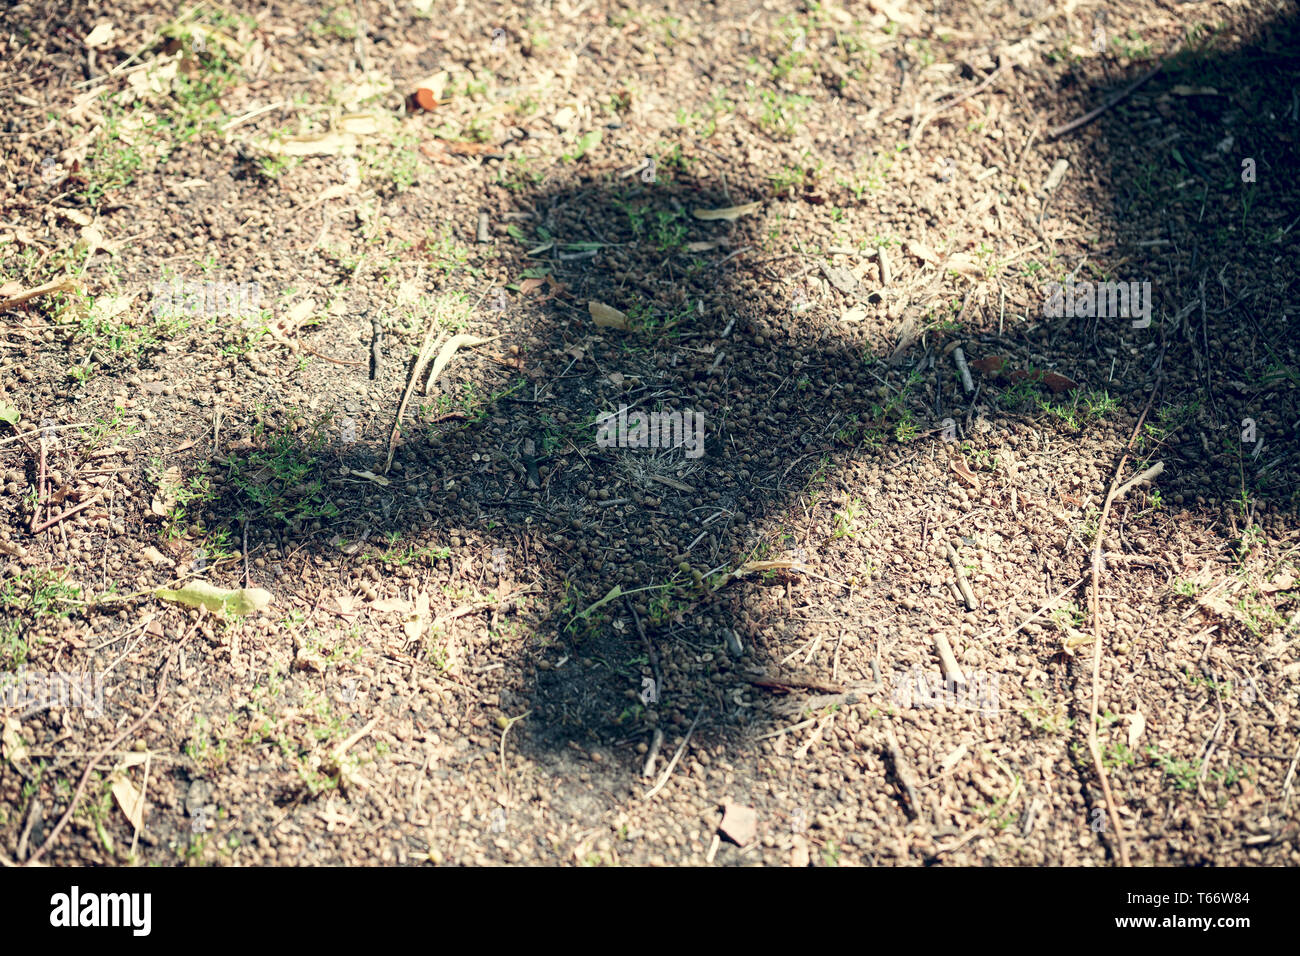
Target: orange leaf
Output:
[(991, 365)]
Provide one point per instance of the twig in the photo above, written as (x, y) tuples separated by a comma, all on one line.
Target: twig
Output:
[(786, 683), (947, 661), (656, 742), (50, 522), (663, 778), (99, 755), (649, 648), (1088, 117), (61, 284), (40, 487), (421, 360), (1093, 746), (963, 585), (903, 772)]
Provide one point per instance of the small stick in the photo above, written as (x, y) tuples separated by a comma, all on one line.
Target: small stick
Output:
[(967, 595), (51, 522), (786, 683), (61, 284), (421, 360), (1088, 117), (484, 228), (663, 779), (948, 660), (1093, 747), (649, 648), (886, 276), (963, 369), (656, 742), (40, 489), (1146, 476), (903, 772)]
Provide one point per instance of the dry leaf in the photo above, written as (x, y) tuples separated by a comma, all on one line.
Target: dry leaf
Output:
[(855, 314), (447, 351), (130, 800), (963, 471), (102, 35), (164, 498), (990, 365), (728, 212), (418, 617), (922, 252), (370, 476), (11, 739), (218, 600), (1136, 724), (386, 605), (607, 316)]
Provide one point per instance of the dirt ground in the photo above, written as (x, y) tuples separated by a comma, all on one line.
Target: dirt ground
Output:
[(901, 606)]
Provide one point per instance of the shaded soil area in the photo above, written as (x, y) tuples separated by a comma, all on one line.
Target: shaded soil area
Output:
[(343, 294)]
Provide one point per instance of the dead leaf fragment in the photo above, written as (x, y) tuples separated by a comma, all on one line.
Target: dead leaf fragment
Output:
[(963, 472), (607, 316), (102, 35), (417, 619), (1136, 724), (164, 498), (130, 800), (727, 212), (217, 600), (447, 351)]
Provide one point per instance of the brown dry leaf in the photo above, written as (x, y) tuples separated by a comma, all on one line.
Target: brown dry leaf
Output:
[(607, 316), (449, 350), (428, 91), (472, 149), (990, 365), (529, 286), (130, 800), (1056, 382), (727, 212), (185, 445), (963, 472)]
